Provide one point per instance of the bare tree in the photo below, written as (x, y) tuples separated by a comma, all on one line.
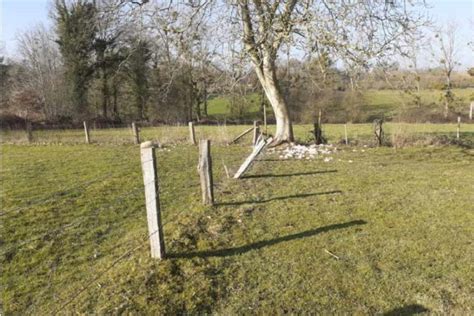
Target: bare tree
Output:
[(470, 43), (358, 31), (447, 54), (40, 55), (361, 31)]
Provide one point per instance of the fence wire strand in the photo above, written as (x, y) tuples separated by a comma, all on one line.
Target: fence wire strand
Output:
[(230, 161), (81, 220)]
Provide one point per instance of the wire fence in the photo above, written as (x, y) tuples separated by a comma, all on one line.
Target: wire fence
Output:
[(223, 134), (82, 216), (128, 203)]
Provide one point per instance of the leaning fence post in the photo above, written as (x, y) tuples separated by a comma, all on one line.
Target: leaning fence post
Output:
[(265, 117), (192, 136), (459, 127), (205, 172), (29, 132), (86, 132), (136, 133), (152, 200), (255, 133), (256, 151), (345, 134)]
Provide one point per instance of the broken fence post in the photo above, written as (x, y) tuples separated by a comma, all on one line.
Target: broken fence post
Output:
[(459, 128), (318, 131), (378, 131), (205, 172), (29, 132), (86, 132), (152, 200), (192, 135), (136, 133), (257, 149), (318, 134), (256, 132)]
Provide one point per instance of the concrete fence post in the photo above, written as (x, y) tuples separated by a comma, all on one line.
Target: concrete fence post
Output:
[(192, 135), (152, 200), (345, 134), (86, 132), (136, 133), (458, 128), (205, 172)]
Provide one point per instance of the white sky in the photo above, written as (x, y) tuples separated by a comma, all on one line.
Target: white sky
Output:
[(19, 15)]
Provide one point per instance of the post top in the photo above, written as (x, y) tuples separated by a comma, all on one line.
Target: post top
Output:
[(148, 144)]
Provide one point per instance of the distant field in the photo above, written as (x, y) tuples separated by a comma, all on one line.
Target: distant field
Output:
[(376, 101), (219, 107), (391, 98), (370, 231)]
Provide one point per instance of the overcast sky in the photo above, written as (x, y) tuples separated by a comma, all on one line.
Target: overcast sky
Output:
[(19, 15)]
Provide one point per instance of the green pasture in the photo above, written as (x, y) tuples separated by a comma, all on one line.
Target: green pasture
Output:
[(371, 231)]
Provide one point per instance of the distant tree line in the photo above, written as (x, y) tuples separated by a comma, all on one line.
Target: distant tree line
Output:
[(115, 62)]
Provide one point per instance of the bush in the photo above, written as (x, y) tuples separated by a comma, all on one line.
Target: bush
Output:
[(11, 121)]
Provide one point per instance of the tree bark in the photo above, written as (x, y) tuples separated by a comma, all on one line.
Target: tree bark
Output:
[(284, 128), (114, 100), (448, 94), (446, 108), (205, 99), (105, 92)]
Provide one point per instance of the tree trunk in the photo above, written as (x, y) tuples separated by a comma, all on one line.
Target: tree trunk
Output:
[(205, 99), (284, 128), (446, 108), (114, 101), (448, 95), (198, 110), (263, 51), (105, 93), (142, 108)]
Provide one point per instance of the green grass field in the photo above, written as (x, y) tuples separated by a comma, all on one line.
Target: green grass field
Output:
[(374, 230), (387, 101)]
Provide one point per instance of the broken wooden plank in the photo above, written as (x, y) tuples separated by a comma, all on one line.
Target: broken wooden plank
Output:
[(240, 136), (260, 137), (257, 149)]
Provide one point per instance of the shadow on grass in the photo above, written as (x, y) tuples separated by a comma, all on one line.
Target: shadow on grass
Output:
[(407, 310), (288, 174), (278, 198), (265, 243)]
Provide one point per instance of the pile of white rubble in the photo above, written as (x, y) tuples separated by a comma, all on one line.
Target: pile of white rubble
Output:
[(305, 152)]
